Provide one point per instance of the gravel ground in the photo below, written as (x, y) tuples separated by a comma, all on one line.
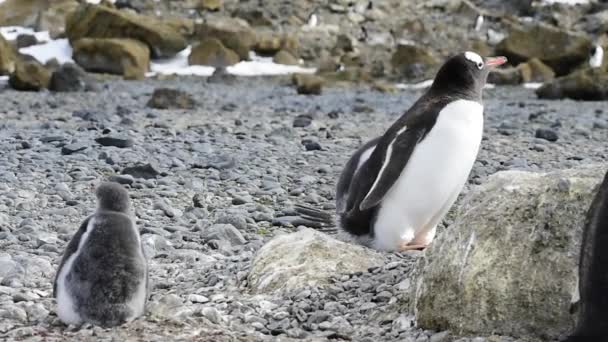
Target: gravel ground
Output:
[(236, 158)]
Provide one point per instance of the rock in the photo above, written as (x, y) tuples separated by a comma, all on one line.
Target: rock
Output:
[(210, 5), (284, 57), (145, 171), (224, 232), (25, 40), (269, 44), (212, 52), (505, 76), (29, 76), (92, 21), (307, 84), (21, 12), (302, 120), (73, 148), (306, 258), (510, 256), (54, 17), (311, 145), (127, 57), (235, 34), (413, 61), (559, 49), (587, 85), (535, 70), (166, 98), (70, 77), (254, 17), (119, 142), (547, 134), (7, 57), (121, 179)]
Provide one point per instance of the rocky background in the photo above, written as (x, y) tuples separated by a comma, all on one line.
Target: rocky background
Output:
[(215, 167)]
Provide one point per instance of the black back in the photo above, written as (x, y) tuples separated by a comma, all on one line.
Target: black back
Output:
[(592, 323)]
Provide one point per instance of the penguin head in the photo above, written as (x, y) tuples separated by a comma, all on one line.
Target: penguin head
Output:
[(113, 197), (465, 74)]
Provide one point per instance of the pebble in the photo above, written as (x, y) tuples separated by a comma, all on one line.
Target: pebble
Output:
[(115, 141), (145, 171), (546, 134), (303, 120), (73, 148)]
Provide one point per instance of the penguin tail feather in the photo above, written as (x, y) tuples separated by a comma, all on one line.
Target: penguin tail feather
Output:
[(318, 219)]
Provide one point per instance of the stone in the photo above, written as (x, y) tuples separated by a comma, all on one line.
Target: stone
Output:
[(509, 257), (210, 5), (167, 98), (302, 120), (29, 76), (307, 84), (254, 17), (213, 53), (70, 77), (284, 57), (535, 70), (547, 134), (145, 171), (53, 18), (505, 76), (413, 62), (21, 12), (115, 141), (224, 232), (269, 44), (93, 21), (7, 57), (559, 49), (25, 40), (586, 84), (73, 148), (306, 258), (127, 57), (235, 34)]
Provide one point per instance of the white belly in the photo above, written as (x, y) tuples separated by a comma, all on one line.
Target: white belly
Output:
[(433, 177)]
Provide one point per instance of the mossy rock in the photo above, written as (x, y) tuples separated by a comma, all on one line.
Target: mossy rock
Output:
[(7, 57), (560, 49), (284, 57), (21, 12), (212, 52), (307, 84), (535, 70), (233, 34), (413, 61), (93, 21), (268, 44), (127, 57), (210, 5), (506, 76), (586, 85), (29, 76)]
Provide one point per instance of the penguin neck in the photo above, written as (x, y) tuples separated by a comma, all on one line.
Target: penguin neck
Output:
[(450, 93)]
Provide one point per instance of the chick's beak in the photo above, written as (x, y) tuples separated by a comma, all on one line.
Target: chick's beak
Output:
[(495, 61)]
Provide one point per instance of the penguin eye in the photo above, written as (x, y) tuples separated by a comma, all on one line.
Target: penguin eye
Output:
[(479, 65)]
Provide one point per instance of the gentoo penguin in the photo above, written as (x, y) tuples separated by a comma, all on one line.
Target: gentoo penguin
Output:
[(592, 322), (396, 188), (596, 56), (312, 19), (479, 23), (103, 276)]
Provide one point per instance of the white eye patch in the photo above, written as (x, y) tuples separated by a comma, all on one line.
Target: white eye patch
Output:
[(475, 58)]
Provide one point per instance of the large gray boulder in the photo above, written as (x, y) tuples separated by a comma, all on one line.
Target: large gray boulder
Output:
[(508, 264), (306, 258)]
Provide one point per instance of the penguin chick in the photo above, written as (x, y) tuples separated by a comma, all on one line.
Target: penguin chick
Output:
[(103, 275), (396, 188)]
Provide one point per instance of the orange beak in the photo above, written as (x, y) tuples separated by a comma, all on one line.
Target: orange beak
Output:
[(495, 61)]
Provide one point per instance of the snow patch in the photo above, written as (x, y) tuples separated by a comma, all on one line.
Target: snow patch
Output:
[(566, 2), (419, 85), (258, 66), (11, 32), (60, 49), (532, 85)]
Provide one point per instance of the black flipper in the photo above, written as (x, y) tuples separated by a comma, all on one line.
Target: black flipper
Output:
[(71, 249), (592, 323), (317, 219), (345, 181), (394, 159)]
